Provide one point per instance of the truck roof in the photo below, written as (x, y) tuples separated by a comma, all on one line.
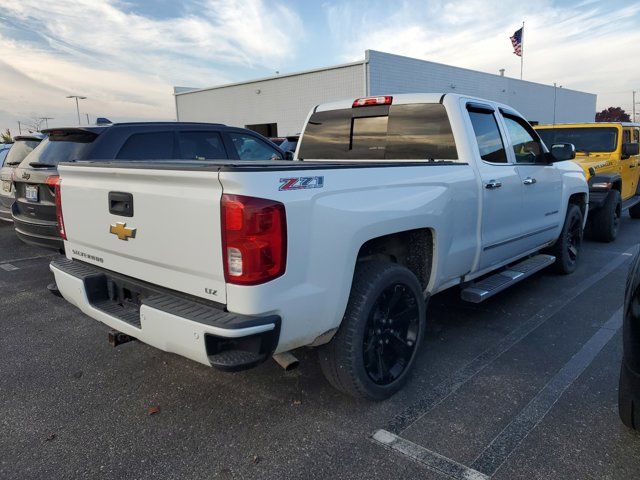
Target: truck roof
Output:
[(409, 98)]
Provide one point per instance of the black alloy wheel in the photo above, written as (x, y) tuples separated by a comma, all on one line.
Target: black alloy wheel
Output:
[(391, 334), (375, 349)]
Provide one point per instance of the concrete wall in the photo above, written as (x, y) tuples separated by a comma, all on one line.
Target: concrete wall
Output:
[(285, 100), (389, 73)]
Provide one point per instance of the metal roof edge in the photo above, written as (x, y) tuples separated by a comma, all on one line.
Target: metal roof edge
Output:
[(273, 77)]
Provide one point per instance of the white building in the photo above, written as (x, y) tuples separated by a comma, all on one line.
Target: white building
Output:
[(278, 106)]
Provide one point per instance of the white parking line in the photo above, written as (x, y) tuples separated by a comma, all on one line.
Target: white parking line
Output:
[(7, 267), (502, 446), (432, 460), (507, 441)]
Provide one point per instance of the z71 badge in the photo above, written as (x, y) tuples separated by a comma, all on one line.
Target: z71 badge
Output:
[(301, 183)]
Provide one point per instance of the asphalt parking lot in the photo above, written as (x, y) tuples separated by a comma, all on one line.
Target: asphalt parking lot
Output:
[(521, 386)]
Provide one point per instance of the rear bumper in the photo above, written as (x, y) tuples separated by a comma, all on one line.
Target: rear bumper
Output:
[(41, 233), (200, 331)]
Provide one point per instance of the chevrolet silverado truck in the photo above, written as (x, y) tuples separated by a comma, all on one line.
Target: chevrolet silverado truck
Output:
[(608, 153), (388, 201)]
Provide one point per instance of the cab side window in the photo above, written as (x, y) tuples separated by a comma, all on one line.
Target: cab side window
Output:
[(626, 136), (526, 146), (636, 135), (488, 136)]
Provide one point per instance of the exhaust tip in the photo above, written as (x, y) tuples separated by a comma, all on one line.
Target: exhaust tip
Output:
[(287, 361)]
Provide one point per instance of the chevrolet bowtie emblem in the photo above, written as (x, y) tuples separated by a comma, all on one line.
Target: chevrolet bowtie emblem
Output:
[(120, 229)]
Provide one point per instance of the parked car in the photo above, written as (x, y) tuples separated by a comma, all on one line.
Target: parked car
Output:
[(277, 140), (22, 146), (34, 211), (290, 143), (609, 154), (398, 198), (629, 390)]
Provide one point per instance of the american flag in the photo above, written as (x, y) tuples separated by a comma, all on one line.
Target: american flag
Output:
[(516, 41)]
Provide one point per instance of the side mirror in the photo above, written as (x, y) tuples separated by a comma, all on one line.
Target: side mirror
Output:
[(630, 149), (288, 155), (563, 151)]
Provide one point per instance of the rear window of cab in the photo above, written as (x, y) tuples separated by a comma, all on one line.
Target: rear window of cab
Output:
[(419, 132)]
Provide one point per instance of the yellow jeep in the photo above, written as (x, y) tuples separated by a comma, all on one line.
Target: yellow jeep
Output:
[(608, 153)]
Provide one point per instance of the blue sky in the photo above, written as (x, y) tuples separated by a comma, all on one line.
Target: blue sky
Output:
[(126, 56)]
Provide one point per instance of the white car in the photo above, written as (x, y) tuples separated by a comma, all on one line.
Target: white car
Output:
[(390, 200)]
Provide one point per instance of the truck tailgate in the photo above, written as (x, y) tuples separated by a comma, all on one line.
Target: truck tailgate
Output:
[(173, 238)]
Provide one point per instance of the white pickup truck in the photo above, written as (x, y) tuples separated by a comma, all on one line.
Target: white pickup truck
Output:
[(389, 200)]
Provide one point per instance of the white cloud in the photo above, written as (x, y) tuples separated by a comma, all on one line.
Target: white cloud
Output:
[(125, 62), (590, 46)]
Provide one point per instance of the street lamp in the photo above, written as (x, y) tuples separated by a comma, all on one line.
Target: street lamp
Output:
[(77, 97), (46, 120)]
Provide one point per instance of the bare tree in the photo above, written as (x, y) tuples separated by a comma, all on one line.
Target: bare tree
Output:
[(34, 124)]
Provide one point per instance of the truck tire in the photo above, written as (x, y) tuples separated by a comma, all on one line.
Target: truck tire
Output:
[(375, 348), (634, 212), (605, 221), (629, 398), (567, 247)]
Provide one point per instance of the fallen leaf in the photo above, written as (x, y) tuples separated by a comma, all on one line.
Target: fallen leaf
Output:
[(50, 437), (153, 410), (256, 459), (297, 402)]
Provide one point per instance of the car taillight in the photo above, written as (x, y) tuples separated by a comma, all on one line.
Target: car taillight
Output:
[(368, 101), (254, 239), (56, 183)]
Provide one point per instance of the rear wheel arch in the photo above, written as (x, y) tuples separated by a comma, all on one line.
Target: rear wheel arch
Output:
[(414, 249)]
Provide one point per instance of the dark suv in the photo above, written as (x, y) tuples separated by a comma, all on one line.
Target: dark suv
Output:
[(34, 211), (21, 147)]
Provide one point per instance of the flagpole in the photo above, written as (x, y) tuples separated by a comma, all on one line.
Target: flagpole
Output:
[(522, 50)]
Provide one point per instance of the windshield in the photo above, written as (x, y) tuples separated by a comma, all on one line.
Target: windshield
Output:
[(61, 147), (19, 150), (398, 132), (585, 139)]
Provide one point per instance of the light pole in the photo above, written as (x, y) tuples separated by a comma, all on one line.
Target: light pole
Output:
[(555, 90), (77, 97), (46, 121)]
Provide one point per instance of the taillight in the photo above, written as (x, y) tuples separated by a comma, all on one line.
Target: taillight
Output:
[(56, 183), (368, 101), (254, 239)]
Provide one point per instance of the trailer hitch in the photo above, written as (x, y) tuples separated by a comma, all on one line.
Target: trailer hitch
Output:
[(118, 338)]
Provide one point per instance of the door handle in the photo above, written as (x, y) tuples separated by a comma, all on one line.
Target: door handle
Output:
[(529, 181), (493, 184), (633, 165)]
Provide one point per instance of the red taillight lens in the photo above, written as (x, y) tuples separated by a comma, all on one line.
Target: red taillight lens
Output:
[(56, 183), (254, 239), (368, 101)]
